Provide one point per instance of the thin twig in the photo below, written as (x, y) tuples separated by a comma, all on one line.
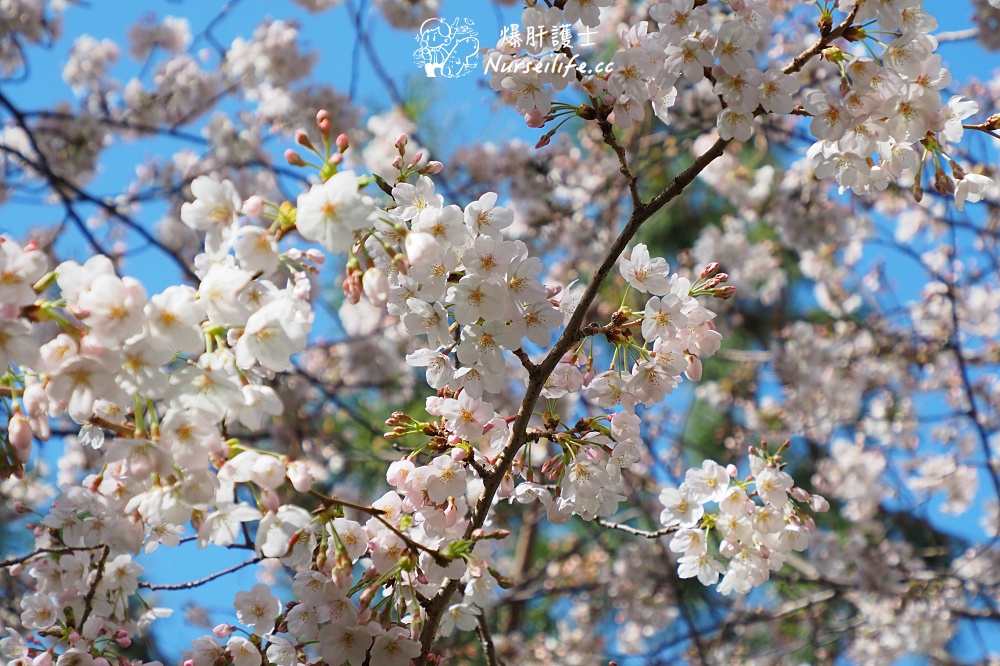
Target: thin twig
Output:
[(199, 583), (609, 138), (45, 551), (486, 639), (636, 531), (379, 515)]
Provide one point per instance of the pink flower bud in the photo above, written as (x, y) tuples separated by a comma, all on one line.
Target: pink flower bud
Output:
[(433, 167), (343, 143), (336, 159), (270, 500), (73, 638), (534, 118), (694, 368), (506, 487), (710, 269), (416, 158), (302, 139), (724, 293), (397, 163), (253, 206), (451, 514), (323, 123), (401, 142), (819, 504), (732, 471), (223, 630), (293, 158), (352, 288), (300, 476), (798, 494), (19, 434), (316, 256), (34, 399)]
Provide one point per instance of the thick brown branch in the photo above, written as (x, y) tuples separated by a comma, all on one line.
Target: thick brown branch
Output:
[(88, 602)]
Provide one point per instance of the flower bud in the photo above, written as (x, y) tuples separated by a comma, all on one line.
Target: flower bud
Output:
[(534, 118), (352, 287), (819, 504), (253, 206), (400, 144), (709, 270), (343, 143), (506, 487), (798, 494), (694, 369), (223, 630), (724, 293), (323, 123), (270, 500), (433, 167), (376, 286), (293, 158), (302, 139), (34, 399), (19, 435), (398, 163), (300, 476)]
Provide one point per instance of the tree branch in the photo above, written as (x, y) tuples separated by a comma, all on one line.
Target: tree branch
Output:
[(199, 583)]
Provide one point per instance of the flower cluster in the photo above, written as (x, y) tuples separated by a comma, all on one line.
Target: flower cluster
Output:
[(756, 538), (883, 120)]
